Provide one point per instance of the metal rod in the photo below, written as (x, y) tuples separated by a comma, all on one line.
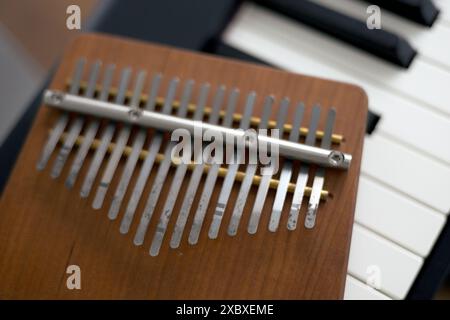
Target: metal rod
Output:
[(293, 150)]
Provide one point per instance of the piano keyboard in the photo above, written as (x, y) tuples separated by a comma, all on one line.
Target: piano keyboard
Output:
[(403, 199)]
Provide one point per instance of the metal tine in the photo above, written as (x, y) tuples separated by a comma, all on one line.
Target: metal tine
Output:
[(107, 135), (179, 176), (249, 174), (286, 173), (91, 130), (162, 173), (153, 149), (138, 144), (58, 130), (76, 126), (195, 177), (231, 173), (319, 178), (212, 176), (263, 187), (302, 177), (120, 145)]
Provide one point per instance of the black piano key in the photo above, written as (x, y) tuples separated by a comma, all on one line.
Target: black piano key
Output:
[(179, 23), (372, 121), (423, 12), (379, 42), (216, 46)]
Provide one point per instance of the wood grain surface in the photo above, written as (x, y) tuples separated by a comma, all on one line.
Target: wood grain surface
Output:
[(45, 227)]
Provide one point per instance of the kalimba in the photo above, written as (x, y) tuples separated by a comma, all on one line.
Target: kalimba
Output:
[(99, 173)]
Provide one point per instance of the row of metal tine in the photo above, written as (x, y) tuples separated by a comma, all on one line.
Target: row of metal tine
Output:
[(136, 151)]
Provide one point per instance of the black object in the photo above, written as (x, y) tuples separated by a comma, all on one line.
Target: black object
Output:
[(216, 46), (423, 12), (372, 121), (381, 43), (184, 24)]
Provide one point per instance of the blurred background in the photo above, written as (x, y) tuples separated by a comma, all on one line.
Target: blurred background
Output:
[(33, 35)]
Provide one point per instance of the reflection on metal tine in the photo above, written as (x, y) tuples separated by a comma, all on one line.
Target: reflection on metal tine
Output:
[(302, 177), (58, 130), (286, 173), (133, 157), (152, 152), (212, 175), (107, 135), (249, 174), (263, 187), (231, 173), (177, 182), (91, 130), (319, 178), (154, 88), (120, 145), (195, 177), (161, 175), (77, 124)]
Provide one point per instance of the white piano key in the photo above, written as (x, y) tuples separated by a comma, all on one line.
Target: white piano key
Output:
[(356, 290), (413, 82), (444, 16), (428, 42), (381, 263), (424, 130), (409, 172), (268, 47), (400, 219)]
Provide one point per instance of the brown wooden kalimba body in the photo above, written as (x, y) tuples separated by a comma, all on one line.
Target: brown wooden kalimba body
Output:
[(45, 226)]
